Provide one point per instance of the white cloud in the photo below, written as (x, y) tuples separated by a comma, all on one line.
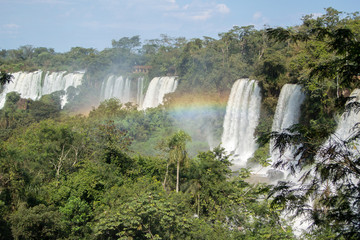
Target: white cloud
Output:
[(9, 30), (222, 8), (259, 20), (160, 5), (201, 15), (135, 14), (42, 1), (257, 15), (11, 26), (198, 10), (69, 12)]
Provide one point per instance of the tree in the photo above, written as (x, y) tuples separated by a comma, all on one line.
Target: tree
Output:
[(39, 222), (46, 107), (26, 51), (127, 43), (113, 143), (142, 210), (5, 78), (339, 39), (176, 147), (77, 213), (208, 172)]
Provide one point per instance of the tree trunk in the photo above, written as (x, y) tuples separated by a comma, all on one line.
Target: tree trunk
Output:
[(166, 174), (177, 175), (198, 204)]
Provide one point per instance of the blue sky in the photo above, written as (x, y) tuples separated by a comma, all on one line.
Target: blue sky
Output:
[(62, 24)]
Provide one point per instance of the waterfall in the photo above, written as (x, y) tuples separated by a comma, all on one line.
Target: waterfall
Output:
[(27, 84), (116, 87), (33, 85), (123, 89), (158, 87), (287, 114), (58, 81), (335, 151), (140, 89), (348, 121), (241, 119)]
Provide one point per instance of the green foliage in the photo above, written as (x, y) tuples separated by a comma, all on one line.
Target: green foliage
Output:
[(261, 156), (77, 213), (124, 198), (147, 213), (127, 43), (110, 109), (47, 107), (37, 222), (114, 144), (213, 65), (5, 78), (175, 146), (145, 129)]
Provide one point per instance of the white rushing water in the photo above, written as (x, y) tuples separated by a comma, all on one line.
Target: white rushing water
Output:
[(140, 91), (346, 129), (158, 87), (346, 123), (116, 87), (33, 85), (287, 114), (241, 119), (124, 89)]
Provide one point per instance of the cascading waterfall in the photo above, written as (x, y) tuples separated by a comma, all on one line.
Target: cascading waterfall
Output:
[(27, 84), (158, 87), (140, 89), (287, 114), (33, 85), (123, 89), (58, 81), (116, 87), (241, 119), (344, 130)]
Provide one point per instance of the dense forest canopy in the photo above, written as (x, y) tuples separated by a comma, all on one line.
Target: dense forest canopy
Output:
[(120, 173)]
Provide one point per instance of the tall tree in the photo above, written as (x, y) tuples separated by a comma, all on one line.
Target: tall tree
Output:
[(176, 147)]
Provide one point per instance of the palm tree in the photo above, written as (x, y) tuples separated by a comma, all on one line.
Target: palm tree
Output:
[(5, 78), (176, 146)]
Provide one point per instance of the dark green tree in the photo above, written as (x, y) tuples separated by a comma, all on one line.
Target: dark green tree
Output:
[(39, 222), (5, 78)]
